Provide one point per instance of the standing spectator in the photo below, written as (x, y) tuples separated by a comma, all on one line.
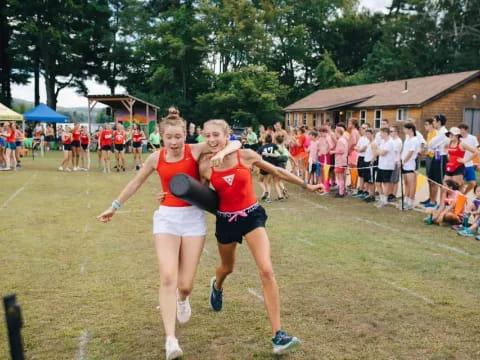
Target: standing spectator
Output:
[(341, 159), (282, 159), (106, 142), (85, 148), (200, 138), (386, 164), (429, 154), (313, 165), (67, 149), (470, 177), (397, 148), (19, 145), (370, 174), (457, 156), (362, 165), (326, 143), (353, 129), (437, 169), (191, 136), (155, 139), (9, 136), (252, 140), (409, 154), (76, 132), (268, 152), (137, 137), (384, 123), (3, 145)]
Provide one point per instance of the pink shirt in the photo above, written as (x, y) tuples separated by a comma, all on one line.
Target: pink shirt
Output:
[(325, 145), (341, 152), (313, 149), (353, 139)]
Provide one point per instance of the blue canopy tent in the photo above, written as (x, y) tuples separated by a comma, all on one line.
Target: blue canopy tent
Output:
[(43, 113)]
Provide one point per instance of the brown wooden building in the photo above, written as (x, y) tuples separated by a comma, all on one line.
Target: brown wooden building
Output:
[(457, 96)]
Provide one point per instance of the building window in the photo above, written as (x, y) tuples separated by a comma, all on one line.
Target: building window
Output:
[(349, 115), (288, 119), (363, 116), (315, 120), (305, 116), (402, 114), (296, 120), (378, 119)]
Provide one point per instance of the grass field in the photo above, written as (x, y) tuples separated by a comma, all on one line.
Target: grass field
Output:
[(356, 282)]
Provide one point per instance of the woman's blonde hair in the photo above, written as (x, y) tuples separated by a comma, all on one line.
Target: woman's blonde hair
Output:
[(220, 123), (172, 119)]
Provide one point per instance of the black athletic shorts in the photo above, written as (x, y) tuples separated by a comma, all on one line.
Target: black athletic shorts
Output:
[(85, 147), (136, 145), (228, 232), (361, 165), (370, 173), (384, 176), (458, 171), (76, 143), (106, 148), (407, 171), (67, 147), (437, 169), (119, 147)]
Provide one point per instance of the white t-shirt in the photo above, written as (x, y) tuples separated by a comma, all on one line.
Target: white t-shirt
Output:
[(473, 142), (368, 153), (378, 138), (362, 142), (411, 144), (387, 161), (440, 141), (397, 147)]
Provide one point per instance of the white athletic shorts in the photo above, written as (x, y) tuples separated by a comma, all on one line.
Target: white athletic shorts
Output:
[(179, 221)]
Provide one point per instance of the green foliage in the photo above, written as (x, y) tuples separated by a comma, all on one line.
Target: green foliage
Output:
[(249, 96)]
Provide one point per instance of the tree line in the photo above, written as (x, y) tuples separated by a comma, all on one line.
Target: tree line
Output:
[(242, 60)]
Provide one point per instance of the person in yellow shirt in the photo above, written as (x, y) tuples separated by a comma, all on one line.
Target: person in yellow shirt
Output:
[(429, 154)]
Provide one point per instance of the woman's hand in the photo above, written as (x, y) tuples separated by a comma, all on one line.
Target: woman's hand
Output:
[(318, 187), (217, 159), (106, 216), (161, 196)]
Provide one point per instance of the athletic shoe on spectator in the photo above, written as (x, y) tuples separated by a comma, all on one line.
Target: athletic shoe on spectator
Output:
[(466, 232)]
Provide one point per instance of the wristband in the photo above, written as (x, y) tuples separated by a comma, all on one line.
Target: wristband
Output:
[(304, 185), (116, 204)]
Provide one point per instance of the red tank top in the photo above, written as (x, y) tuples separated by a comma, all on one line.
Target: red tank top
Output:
[(234, 187), (76, 134), (167, 170), (119, 137), (136, 136), (84, 139), (11, 136), (454, 153), (106, 138), (67, 139)]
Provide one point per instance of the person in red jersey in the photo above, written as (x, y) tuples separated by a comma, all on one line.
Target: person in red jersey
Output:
[(137, 138), (119, 138), (67, 148), (178, 227), (239, 215), (9, 135), (106, 142), (85, 151), (76, 133)]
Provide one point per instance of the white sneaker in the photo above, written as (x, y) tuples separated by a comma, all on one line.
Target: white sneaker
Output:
[(172, 349), (60, 168), (380, 204), (75, 169), (68, 169), (184, 311)]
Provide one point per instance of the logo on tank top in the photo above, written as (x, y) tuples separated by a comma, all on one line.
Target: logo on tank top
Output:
[(229, 179)]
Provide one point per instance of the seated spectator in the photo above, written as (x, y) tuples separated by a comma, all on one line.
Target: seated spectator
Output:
[(446, 212), (473, 209)]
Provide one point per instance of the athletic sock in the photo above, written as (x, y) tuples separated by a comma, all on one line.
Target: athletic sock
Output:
[(341, 187)]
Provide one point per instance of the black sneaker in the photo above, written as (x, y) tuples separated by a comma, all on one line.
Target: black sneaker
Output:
[(280, 198), (268, 200), (137, 167), (391, 198), (282, 342), (337, 195), (425, 202), (264, 196), (216, 296), (369, 199)]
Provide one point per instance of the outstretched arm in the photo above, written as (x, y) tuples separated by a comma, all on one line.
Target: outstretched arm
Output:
[(255, 159), (132, 187), (202, 148)]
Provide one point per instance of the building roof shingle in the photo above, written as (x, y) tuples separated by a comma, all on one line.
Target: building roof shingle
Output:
[(387, 94)]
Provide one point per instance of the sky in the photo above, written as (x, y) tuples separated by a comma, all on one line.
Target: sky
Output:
[(69, 98)]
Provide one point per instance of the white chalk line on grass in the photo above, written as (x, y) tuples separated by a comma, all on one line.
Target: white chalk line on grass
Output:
[(416, 238), (308, 242), (315, 204), (410, 292), (15, 194), (82, 346), (86, 228), (256, 294)]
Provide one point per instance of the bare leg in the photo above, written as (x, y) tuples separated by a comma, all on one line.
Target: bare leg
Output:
[(190, 251), (227, 257)]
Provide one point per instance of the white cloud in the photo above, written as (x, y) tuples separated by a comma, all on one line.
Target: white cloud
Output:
[(375, 5)]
